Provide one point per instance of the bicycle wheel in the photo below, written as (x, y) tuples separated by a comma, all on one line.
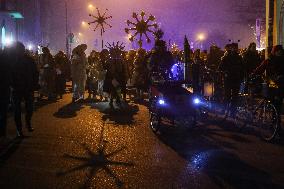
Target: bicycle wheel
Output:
[(267, 121), (243, 113), (241, 117), (224, 112), (155, 122)]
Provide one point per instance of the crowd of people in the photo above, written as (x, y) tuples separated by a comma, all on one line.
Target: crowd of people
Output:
[(108, 74)]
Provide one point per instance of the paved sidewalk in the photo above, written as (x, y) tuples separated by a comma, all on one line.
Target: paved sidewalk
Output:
[(88, 145)]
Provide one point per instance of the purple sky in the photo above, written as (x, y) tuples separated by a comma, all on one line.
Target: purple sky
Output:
[(215, 18)]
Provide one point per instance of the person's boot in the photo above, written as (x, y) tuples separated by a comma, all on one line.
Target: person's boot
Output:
[(30, 129), (20, 133), (29, 126)]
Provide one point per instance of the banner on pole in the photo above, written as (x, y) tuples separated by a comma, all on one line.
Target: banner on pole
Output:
[(258, 32)]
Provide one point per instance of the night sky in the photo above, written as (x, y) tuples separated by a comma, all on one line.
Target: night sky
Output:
[(219, 20)]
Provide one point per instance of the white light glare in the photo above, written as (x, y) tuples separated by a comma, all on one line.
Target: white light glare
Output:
[(30, 47), (162, 102), (196, 101)]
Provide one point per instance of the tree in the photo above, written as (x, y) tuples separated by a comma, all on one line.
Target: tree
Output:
[(186, 59)]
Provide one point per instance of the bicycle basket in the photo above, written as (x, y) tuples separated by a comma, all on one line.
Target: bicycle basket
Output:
[(250, 88), (268, 91)]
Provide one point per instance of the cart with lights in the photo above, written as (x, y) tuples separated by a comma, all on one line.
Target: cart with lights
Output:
[(171, 103)]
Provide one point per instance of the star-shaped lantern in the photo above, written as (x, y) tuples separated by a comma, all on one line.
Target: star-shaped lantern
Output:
[(141, 27)]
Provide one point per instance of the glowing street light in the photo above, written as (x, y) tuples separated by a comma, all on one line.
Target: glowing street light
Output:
[(30, 47), (201, 37), (80, 34), (91, 7), (128, 37), (8, 40), (84, 24)]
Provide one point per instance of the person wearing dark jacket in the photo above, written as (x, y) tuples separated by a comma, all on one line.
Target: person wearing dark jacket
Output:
[(60, 68), (140, 73), (274, 67), (161, 60), (115, 76), (5, 82), (196, 69), (233, 68), (24, 77), (251, 59)]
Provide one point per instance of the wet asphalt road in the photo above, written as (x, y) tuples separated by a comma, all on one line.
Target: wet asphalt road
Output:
[(87, 145)]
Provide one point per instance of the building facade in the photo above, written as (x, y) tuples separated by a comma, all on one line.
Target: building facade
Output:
[(279, 22), (274, 22), (33, 29)]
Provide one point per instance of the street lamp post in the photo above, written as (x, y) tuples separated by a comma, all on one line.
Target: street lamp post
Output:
[(17, 23), (66, 29)]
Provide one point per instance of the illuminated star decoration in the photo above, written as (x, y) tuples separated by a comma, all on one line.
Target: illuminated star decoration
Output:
[(141, 27), (116, 48), (100, 20)]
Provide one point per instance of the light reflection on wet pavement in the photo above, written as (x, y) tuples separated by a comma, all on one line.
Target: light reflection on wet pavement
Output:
[(88, 145)]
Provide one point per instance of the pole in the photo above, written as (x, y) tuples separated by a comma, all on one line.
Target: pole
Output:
[(281, 20), (102, 39), (17, 23), (66, 29), (270, 21)]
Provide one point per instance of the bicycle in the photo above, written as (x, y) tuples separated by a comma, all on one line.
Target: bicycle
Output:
[(257, 110)]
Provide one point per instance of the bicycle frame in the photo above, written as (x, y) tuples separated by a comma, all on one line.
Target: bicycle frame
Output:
[(249, 109)]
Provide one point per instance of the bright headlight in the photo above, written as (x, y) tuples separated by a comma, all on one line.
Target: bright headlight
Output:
[(162, 102), (196, 101)]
